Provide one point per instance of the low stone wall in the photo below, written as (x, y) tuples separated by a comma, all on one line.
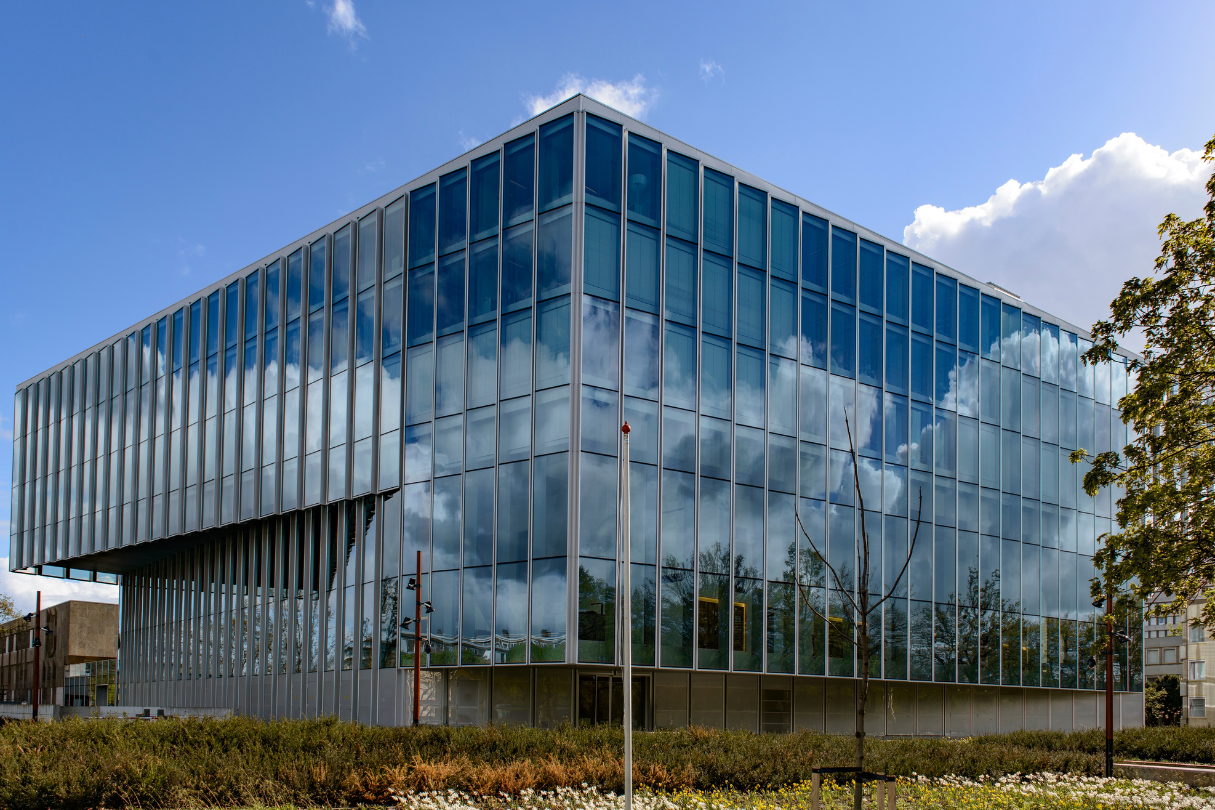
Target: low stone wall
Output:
[(1192, 775), (13, 711), (17, 711)]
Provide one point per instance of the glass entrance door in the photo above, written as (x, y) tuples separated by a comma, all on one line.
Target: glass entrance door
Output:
[(601, 700)]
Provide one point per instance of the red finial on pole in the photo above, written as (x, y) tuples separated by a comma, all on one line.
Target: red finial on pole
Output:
[(625, 429)]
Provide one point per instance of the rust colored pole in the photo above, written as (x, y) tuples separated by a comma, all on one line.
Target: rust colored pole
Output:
[(37, 649), (417, 646), (1109, 685)]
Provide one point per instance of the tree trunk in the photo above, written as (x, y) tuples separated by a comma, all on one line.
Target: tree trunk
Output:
[(861, 698)]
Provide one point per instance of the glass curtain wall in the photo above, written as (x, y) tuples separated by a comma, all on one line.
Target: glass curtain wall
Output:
[(439, 349), (485, 484), (949, 397)]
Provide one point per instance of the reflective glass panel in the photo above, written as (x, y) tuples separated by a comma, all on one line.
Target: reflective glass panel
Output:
[(644, 180), (683, 207), (518, 180)]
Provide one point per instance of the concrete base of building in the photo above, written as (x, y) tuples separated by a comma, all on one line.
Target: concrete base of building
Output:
[(548, 696)]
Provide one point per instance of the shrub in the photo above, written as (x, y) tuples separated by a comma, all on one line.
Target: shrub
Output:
[(245, 761)]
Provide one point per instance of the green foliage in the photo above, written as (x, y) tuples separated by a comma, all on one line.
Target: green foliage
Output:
[(1162, 701), (243, 761), (8, 610), (1166, 518), (1190, 744)]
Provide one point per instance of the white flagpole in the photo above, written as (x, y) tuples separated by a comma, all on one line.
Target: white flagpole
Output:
[(626, 611)]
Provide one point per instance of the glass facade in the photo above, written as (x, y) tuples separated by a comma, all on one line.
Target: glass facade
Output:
[(445, 372)]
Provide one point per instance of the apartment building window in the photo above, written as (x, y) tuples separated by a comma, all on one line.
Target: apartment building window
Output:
[(1198, 633), (1198, 670), (1169, 655), (1198, 707), (1153, 657)]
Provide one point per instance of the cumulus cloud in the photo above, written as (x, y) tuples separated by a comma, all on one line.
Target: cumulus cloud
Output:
[(632, 97), (710, 70), (468, 142), (1066, 243), (345, 21), (23, 588)]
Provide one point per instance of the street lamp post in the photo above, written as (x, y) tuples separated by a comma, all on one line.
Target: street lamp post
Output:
[(1109, 685), (37, 645), (36, 619), (417, 647), (626, 624), (1110, 637), (415, 585)]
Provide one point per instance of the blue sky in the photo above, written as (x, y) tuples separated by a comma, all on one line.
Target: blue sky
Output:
[(149, 149)]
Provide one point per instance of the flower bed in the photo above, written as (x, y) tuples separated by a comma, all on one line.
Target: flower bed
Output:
[(1013, 792)]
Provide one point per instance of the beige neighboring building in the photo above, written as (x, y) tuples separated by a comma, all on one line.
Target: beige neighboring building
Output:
[(1198, 681), (1172, 647), (77, 660), (1163, 648)]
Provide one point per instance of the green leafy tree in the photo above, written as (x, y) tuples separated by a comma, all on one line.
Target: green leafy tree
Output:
[(1162, 701), (8, 610), (1166, 516)]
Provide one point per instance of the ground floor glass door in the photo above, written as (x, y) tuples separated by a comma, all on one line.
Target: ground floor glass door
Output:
[(601, 700)]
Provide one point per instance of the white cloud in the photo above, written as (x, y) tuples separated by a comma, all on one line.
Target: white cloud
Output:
[(345, 21), (467, 142), (186, 253), (1066, 243), (710, 70), (23, 588), (630, 97)]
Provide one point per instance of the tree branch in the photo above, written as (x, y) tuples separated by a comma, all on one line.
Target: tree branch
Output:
[(838, 580), (806, 600), (919, 517)]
